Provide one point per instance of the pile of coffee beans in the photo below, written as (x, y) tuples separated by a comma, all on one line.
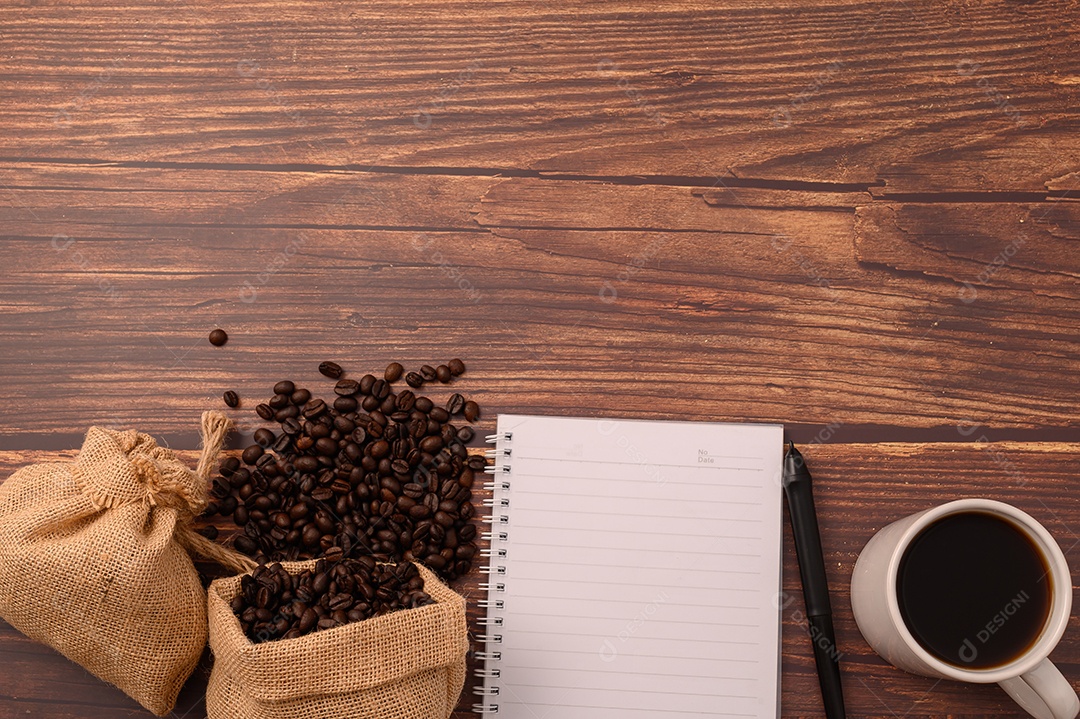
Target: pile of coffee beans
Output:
[(274, 604), (375, 473)]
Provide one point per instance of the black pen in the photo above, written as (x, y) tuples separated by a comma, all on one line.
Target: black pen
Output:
[(804, 525)]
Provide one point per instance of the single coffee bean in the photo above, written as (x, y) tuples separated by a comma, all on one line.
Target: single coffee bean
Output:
[(300, 397), (414, 380), (345, 405), (455, 404), (284, 387), (393, 372), (427, 372), (245, 545), (265, 411), (264, 437), (457, 367), (231, 398), (251, 454), (471, 411), (442, 373), (465, 434), (330, 369), (346, 387), (218, 337), (366, 382)]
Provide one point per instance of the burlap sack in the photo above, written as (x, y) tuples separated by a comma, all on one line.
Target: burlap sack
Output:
[(94, 559), (408, 664)]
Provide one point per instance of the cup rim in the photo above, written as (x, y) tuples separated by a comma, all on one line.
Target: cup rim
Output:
[(1060, 603)]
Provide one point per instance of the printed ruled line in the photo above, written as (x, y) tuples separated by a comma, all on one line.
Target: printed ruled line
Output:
[(503, 664), (636, 637), (695, 569), (513, 543), (636, 533), (515, 596), (515, 492), (511, 613), (513, 648), (517, 474), (517, 457), (610, 515), (622, 690), (652, 712), (608, 583)]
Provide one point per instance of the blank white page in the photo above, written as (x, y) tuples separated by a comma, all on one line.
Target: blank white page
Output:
[(640, 572)]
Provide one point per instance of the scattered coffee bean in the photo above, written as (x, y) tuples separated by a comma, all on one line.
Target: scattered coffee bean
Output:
[(427, 372), (455, 404), (284, 387), (414, 380), (330, 369), (457, 367), (442, 373), (231, 398), (273, 604), (218, 337), (265, 411), (393, 372), (471, 411)]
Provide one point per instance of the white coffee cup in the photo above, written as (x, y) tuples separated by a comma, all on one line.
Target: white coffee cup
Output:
[(1031, 679)]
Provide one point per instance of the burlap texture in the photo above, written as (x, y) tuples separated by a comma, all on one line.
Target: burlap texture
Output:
[(94, 559), (408, 664)]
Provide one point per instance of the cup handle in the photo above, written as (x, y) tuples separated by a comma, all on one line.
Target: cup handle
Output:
[(1043, 692)]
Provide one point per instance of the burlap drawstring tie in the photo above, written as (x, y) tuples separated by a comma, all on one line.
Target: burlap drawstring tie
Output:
[(161, 480)]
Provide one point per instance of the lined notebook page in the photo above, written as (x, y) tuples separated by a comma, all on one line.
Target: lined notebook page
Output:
[(641, 569)]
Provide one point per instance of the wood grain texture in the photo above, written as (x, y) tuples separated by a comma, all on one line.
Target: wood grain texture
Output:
[(844, 92), (855, 218), (859, 489)]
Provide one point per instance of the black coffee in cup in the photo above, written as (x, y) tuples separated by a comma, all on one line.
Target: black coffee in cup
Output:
[(974, 590)]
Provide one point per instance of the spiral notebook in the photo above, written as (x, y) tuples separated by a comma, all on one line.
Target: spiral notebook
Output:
[(634, 571)]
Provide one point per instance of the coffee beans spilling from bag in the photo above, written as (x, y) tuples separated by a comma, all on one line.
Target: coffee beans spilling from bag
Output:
[(376, 473), (274, 604)]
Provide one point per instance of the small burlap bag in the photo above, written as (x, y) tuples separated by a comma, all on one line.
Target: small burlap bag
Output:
[(408, 664), (94, 559)]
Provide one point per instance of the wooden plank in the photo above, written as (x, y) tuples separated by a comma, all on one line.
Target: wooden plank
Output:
[(860, 488), (832, 92), (1021, 247), (769, 316)]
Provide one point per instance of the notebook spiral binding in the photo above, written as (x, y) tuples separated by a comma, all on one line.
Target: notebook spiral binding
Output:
[(498, 521)]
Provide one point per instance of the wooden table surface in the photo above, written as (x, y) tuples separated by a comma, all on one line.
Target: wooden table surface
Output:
[(855, 218)]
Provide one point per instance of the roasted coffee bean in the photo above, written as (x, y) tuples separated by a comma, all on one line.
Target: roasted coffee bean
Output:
[(231, 398), (209, 531), (457, 367), (346, 387), (264, 437), (246, 545), (427, 372), (218, 337), (314, 408), (251, 454), (345, 405), (414, 380), (393, 372), (357, 462), (471, 411), (455, 404), (330, 369)]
